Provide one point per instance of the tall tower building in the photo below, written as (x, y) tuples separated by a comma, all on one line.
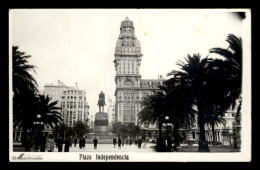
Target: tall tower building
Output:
[(130, 88), (127, 63)]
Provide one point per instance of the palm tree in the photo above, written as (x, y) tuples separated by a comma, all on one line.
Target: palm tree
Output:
[(180, 108), (193, 77), (213, 120), (22, 79), (153, 112), (49, 111), (25, 110), (231, 67), (24, 91)]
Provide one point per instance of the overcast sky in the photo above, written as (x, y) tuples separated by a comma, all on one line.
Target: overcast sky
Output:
[(78, 46)]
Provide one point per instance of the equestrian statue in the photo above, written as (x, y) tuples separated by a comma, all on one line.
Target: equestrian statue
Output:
[(101, 101)]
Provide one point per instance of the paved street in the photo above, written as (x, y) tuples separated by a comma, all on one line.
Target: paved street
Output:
[(146, 147), (110, 148)]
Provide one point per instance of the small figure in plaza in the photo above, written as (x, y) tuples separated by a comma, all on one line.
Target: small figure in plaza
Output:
[(43, 143), (101, 101), (139, 143), (71, 141), (135, 142), (51, 143), (123, 142), (169, 144), (28, 144), (95, 141), (75, 142), (67, 145), (114, 142), (119, 143), (83, 142), (130, 142), (60, 144)]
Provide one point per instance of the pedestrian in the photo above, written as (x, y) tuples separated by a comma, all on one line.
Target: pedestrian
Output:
[(67, 145), (83, 142), (71, 141), (169, 144), (47, 146), (119, 143), (43, 143), (80, 143), (123, 142), (28, 144), (95, 141), (130, 142), (114, 142), (60, 144), (51, 143), (75, 142), (139, 142)]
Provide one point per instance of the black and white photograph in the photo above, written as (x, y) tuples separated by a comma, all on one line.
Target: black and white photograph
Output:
[(130, 85)]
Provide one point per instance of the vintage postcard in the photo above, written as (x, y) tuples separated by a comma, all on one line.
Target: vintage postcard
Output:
[(130, 85)]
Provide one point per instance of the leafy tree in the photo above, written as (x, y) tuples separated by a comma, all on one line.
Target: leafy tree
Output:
[(23, 81), (230, 67), (24, 91), (154, 112), (231, 70), (48, 110), (213, 120), (193, 77), (179, 106), (80, 128)]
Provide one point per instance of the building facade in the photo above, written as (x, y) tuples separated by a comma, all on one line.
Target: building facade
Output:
[(72, 101), (130, 88)]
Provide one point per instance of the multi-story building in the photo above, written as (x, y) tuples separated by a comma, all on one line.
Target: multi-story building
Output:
[(72, 101), (110, 110), (130, 88)]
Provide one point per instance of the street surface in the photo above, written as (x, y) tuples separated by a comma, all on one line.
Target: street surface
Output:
[(146, 147)]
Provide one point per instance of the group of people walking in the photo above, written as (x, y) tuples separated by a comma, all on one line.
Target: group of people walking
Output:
[(48, 144), (82, 142), (65, 144), (127, 141)]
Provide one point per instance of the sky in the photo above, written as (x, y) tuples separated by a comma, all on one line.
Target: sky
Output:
[(78, 45)]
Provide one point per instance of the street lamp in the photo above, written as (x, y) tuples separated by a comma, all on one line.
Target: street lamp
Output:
[(38, 124), (167, 124)]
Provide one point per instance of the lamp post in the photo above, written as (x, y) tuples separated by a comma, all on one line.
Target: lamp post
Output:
[(167, 124), (38, 123)]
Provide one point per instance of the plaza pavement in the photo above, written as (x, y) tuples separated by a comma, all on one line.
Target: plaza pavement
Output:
[(146, 147)]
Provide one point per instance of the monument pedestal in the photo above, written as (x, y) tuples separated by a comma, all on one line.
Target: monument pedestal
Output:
[(101, 122), (101, 131)]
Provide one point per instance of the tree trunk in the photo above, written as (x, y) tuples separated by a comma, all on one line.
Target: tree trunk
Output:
[(176, 135), (213, 135), (160, 130), (24, 135), (203, 144)]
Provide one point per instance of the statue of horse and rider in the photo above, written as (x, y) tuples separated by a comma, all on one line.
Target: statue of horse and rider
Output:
[(101, 101)]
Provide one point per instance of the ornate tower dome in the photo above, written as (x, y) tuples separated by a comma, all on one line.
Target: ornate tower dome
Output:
[(127, 23), (127, 43)]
